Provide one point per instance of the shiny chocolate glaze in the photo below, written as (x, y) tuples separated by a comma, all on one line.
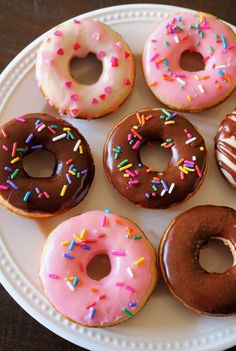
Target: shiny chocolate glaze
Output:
[(143, 193), (209, 293), (39, 202), (225, 148)]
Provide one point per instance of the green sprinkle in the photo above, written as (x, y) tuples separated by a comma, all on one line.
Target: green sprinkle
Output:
[(137, 237), (181, 87), (115, 149), (167, 43), (127, 312), (122, 163), (71, 135), (20, 149), (166, 112), (217, 36), (162, 117), (211, 49), (78, 175), (177, 27), (169, 140), (119, 148), (131, 142), (116, 156), (14, 174), (201, 35), (197, 43), (197, 25), (154, 187), (192, 26)]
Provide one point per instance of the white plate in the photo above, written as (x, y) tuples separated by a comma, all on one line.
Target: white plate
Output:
[(163, 323)]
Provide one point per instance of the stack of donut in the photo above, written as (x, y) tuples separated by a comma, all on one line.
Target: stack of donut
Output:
[(74, 243)]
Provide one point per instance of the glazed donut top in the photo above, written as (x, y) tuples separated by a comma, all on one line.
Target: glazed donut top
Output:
[(69, 249), (73, 173), (213, 293), (79, 38), (225, 143), (199, 32), (138, 182)]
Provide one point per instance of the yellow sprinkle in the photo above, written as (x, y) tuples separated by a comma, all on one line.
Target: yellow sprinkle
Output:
[(15, 160), (63, 190), (76, 237), (80, 149), (69, 279), (66, 129), (170, 122), (135, 127), (189, 97), (201, 19), (183, 170), (125, 167), (126, 175), (202, 148), (71, 172), (93, 290), (65, 243), (189, 169), (82, 234), (196, 76), (139, 261)]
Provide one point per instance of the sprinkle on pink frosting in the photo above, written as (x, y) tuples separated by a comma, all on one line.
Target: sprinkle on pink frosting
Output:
[(60, 52)]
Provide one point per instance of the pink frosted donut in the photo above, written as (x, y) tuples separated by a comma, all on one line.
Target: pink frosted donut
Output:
[(77, 38), (114, 298), (180, 89)]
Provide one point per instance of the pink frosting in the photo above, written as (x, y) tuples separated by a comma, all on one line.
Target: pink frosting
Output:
[(78, 38), (127, 286), (180, 88)]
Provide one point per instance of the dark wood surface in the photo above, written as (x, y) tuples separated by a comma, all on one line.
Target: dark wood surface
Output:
[(21, 21)]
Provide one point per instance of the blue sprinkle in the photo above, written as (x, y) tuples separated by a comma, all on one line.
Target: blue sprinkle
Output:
[(13, 185), (29, 138), (140, 165), (221, 73), (223, 41), (171, 116), (72, 244), (53, 126), (37, 122), (68, 256), (27, 195), (67, 136), (75, 281), (92, 312), (132, 304), (180, 19), (188, 165), (36, 147), (8, 169), (74, 169), (107, 210), (86, 247), (166, 62)]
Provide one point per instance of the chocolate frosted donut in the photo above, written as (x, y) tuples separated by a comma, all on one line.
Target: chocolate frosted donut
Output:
[(142, 185), (208, 293), (72, 175), (225, 148)]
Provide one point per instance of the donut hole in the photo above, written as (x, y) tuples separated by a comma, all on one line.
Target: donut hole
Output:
[(39, 164), (215, 255), (86, 70), (99, 267), (153, 156), (192, 61)]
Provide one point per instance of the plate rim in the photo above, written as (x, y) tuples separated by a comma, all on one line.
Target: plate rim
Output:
[(89, 337)]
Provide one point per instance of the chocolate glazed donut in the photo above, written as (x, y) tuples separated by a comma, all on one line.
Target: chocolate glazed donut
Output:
[(72, 175), (203, 292), (142, 185)]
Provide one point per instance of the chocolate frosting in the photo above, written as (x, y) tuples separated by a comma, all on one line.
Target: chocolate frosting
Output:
[(210, 293), (181, 137), (225, 148), (45, 193)]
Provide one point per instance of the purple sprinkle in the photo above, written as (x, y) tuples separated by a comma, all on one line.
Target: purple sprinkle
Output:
[(134, 181), (188, 165), (92, 312), (132, 304), (67, 136), (136, 145), (130, 173), (5, 148), (13, 185), (68, 178), (8, 169), (37, 190), (171, 116), (71, 166), (86, 247), (53, 276), (130, 136), (36, 147), (118, 253), (164, 185), (84, 171), (156, 181), (104, 218), (30, 137), (147, 195), (189, 162), (68, 256), (130, 289)]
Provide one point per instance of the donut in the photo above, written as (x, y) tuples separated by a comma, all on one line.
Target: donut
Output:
[(72, 175), (137, 182), (199, 290), (178, 88), (225, 148), (114, 298), (78, 38)]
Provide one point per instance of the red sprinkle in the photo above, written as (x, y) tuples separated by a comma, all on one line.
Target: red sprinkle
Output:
[(101, 297), (46, 194), (4, 133), (68, 84), (69, 161), (136, 133), (114, 61), (127, 81), (91, 305), (102, 96), (51, 130), (76, 46), (13, 154), (81, 267), (101, 235), (127, 54), (198, 171)]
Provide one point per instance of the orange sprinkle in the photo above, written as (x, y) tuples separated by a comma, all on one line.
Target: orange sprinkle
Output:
[(153, 84), (180, 161), (143, 120), (148, 117), (161, 60), (94, 290), (205, 77), (156, 178), (228, 78), (118, 221), (218, 86), (138, 118), (165, 77), (148, 170), (128, 230), (189, 97)]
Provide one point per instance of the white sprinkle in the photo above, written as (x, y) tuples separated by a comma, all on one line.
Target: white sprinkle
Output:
[(163, 192), (181, 81), (220, 66), (130, 272), (41, 127), (171, 188), (194, 158), (200, 87), (190, 140), (58, 137), (70, 286), (77, 145), (176, 39)]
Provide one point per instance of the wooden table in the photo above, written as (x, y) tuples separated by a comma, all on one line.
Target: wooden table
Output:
[(21, 21)]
